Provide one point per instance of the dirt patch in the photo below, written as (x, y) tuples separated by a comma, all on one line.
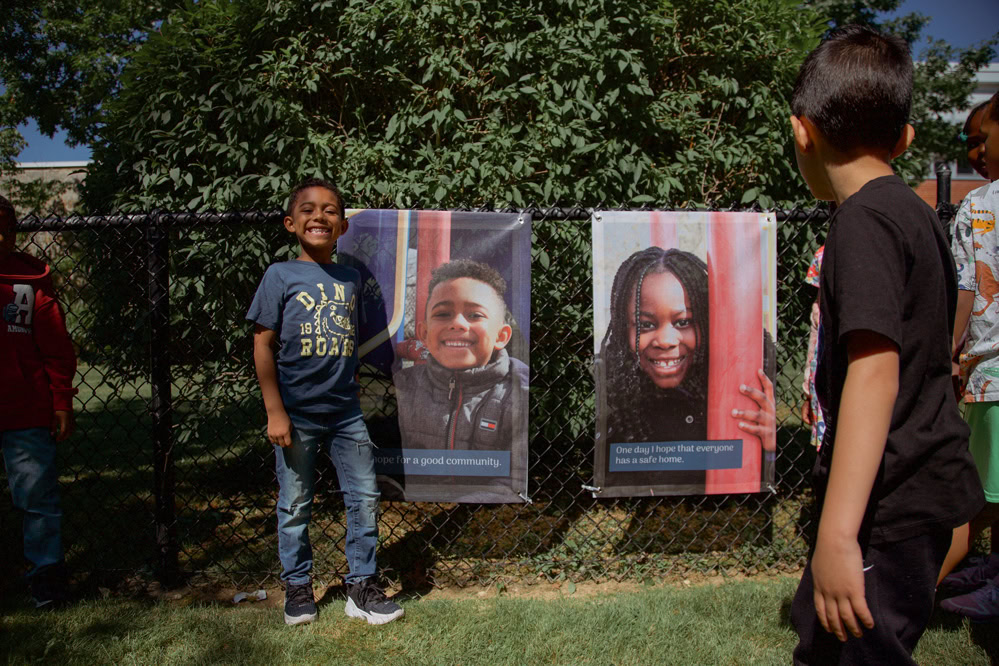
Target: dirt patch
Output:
[(209, 594)]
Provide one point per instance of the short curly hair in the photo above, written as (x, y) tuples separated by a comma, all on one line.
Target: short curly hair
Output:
[(314, 182), (467, 268), (971, 116), (993, 110)]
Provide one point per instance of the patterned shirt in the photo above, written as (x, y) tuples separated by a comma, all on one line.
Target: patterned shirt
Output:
[(976, 254), (814, 342)]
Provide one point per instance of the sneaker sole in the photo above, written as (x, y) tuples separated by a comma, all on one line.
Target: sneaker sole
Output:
[(351, 610), (299, 619)]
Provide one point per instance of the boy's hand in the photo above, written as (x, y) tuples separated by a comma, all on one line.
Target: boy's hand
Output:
[(806, 411), (279, 429), (955, 380), (62, 425), (838, 580)]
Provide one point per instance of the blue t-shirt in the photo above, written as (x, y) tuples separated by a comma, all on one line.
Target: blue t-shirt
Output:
[(313, 308)]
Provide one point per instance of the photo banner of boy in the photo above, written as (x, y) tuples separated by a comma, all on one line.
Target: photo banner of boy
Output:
[(445, 314), (685, 316)]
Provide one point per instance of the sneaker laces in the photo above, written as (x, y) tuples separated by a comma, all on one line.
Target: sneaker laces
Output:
[(300, 594), (368, 591)]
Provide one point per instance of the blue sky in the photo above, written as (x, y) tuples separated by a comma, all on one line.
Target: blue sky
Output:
[(963, 23)]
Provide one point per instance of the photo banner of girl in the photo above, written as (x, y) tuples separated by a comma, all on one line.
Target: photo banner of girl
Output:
[(445, 314), (685, 315)]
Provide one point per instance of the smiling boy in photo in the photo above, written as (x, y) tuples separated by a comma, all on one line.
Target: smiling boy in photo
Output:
[(470, 394)]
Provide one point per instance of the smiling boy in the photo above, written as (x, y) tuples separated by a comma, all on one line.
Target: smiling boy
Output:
[(470, 394), (304, 352)]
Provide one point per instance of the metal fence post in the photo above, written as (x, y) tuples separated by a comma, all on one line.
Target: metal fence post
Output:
[(943, 192), (161, 403)]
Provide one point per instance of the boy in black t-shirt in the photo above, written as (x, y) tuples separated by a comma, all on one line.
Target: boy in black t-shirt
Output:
[(894, 475)]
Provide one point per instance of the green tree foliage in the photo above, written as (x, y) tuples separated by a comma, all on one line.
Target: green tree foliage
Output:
[(455, 103), (61, 59), (442, 104)]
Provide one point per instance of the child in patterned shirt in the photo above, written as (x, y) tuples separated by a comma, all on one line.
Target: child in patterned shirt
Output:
[(976, 253)]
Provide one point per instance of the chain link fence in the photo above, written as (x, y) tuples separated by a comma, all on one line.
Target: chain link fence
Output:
[(169, 474)]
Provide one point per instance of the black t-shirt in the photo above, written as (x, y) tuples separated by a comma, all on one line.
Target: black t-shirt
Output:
[(887, 268)]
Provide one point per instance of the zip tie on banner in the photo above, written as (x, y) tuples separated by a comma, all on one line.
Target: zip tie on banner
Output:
[(770, 487), (527, 500), (520, 220), (593, 489)]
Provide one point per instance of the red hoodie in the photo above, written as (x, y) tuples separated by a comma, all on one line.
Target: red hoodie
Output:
[(37, 361)]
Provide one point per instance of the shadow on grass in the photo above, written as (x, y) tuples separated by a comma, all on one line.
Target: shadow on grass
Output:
[(986, 636), (130, 630)]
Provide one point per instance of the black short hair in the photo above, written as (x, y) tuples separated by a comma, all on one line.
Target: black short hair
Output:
[(314, 182), (628, 387), (466, 268), (971, 116), (7, 209), (856, 88), (993, 110)]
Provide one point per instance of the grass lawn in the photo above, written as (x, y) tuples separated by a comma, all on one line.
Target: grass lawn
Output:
[(741, 622)]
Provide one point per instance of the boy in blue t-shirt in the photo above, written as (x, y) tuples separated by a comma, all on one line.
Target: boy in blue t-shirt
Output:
[(304, 351)]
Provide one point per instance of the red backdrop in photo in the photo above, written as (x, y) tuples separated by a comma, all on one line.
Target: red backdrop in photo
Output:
[(736, 342)]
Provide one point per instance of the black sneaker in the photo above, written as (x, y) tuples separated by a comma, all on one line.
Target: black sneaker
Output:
[(299, 604), (366, 600), (49, 586)]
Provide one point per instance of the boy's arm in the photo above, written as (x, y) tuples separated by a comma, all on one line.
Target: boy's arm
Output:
[(58, 358), (965, 303), (962, 248), (278, 423), (865, 413)]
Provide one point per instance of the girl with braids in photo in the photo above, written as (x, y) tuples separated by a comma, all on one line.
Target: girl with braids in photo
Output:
[(653, 366)]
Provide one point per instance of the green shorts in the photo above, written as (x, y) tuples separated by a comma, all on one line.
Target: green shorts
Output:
[(983, 417)]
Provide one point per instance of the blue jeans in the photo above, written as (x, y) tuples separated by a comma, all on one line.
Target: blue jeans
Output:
[(350, 448), (30, 458)]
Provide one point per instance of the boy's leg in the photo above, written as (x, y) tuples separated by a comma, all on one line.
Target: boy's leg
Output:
[(899, 586), (352, 454), (30, 458), (295, 467)]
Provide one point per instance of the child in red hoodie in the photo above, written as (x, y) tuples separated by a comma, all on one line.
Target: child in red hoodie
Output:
[(37, 364)]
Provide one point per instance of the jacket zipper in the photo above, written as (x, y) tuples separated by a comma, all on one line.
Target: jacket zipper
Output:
[(453, 420)]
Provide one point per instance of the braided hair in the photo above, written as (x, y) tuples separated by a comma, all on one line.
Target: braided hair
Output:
[(630, 392)]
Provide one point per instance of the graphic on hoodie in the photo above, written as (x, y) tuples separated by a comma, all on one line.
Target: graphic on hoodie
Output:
[(18, 313), (446, 313)]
